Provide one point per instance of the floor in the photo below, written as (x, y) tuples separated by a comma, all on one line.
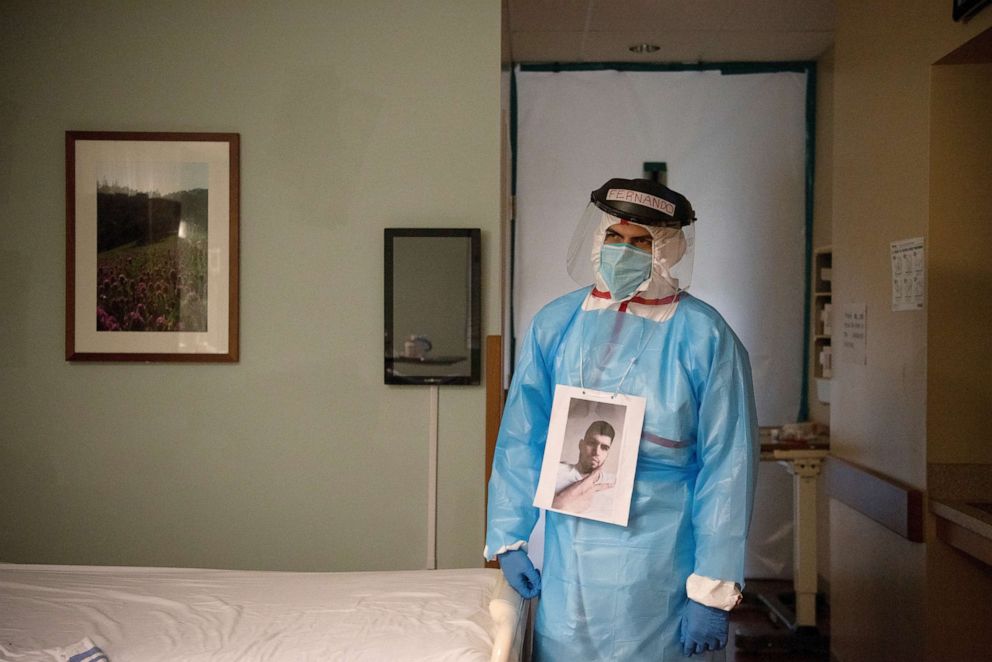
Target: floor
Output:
[(758, 634)]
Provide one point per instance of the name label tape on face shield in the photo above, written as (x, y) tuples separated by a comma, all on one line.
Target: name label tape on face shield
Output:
[(644, 199), (623, 268)]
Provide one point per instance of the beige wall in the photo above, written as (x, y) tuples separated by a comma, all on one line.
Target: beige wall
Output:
[(354, 116), (959, 360), (877, 591), (959, 313), (882, 61)]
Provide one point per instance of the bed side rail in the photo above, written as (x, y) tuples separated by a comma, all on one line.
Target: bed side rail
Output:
[(510, 615)]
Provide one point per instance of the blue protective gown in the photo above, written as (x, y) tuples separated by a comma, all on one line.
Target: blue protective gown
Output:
[(612, 592)]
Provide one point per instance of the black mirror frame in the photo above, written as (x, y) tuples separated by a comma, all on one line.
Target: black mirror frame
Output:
[(475, 306)]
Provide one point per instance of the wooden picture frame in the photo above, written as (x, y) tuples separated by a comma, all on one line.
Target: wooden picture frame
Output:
[(152, 234)]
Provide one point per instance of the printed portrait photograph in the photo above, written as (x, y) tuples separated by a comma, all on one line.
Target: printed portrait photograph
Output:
[(591, 454), (587, 468)]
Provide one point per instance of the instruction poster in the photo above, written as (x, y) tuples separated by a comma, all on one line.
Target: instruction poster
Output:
[(907, 274)]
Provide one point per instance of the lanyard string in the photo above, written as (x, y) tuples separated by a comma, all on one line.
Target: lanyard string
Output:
[(627, 371), (582, 363), (582, 359), (670, 309)]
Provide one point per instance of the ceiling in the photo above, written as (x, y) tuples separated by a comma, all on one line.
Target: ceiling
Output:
[(570, 31)]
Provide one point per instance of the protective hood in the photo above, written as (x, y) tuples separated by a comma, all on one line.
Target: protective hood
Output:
[(668, 247)]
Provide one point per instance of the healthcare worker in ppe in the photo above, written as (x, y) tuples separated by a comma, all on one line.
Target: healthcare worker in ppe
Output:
[(660, 588)]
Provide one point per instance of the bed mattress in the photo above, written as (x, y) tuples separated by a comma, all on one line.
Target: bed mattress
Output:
[(146, 614)]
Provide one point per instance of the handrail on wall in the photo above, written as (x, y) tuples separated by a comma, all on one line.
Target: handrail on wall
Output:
[(890, 502)]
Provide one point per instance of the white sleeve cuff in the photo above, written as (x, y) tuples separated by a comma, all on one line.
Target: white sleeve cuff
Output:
[(713, 592), (520, 544)]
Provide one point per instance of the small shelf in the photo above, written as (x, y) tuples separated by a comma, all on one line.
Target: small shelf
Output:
[(823, 390), (428, 360), (822, 270), (822, 322), (823, 357)]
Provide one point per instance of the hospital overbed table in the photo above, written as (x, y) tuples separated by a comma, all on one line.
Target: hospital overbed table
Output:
[(148, 614)]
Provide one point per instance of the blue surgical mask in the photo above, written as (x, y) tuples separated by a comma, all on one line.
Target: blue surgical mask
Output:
[(623, 268)]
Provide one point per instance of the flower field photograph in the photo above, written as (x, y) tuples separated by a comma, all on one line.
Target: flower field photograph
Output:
[(152, 248)]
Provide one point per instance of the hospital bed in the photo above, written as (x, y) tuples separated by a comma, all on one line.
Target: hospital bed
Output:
[(148, 614)]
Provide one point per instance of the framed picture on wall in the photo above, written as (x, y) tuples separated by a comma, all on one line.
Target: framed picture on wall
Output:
[(151, 246)]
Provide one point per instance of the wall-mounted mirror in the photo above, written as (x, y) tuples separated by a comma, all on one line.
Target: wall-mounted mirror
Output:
[(433, 311)]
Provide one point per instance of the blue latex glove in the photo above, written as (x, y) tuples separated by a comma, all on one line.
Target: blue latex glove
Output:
[(520, 573), (703, 628)]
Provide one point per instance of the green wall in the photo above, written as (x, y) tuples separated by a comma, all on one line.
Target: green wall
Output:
[(354, 115)]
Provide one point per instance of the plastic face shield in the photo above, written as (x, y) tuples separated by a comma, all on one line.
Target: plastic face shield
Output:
[(668, 264)]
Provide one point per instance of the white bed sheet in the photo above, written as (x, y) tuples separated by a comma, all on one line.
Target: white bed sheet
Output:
[(148, 614)]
